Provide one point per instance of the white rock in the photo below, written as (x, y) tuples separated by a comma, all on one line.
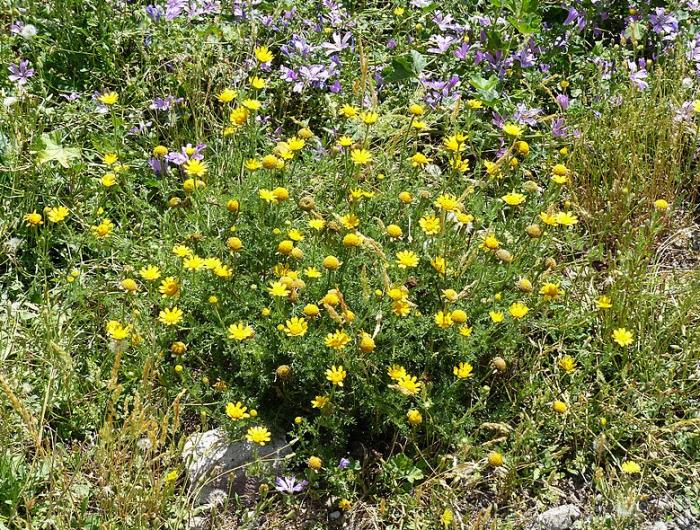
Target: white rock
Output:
[(559, 518), (216, 466)]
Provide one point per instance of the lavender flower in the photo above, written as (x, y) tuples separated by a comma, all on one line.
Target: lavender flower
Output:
[(562, 101), (166, 103), (344, 463), (664, 23), (440, 44), (20, 74), (638, 74), (338, 45), (289, 485)]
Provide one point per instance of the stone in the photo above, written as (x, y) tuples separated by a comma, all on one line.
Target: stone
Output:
[(559, 518), (216, 466)]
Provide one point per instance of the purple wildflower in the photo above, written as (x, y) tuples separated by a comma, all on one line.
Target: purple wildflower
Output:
[(20, 74), (562, 101), (344, 463), (664, 23), (289, 485), (339, 43), (638, 74)]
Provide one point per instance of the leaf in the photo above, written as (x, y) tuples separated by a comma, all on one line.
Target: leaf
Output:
[(526, 25), (53, 151), (404, 67)]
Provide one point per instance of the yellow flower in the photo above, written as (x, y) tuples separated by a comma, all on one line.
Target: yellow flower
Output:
[(110, 158), (409, 385), (108, 98), (629, 467), (57, 214), (193, 263), (430, 224), (263, 54), (551, 291), (278, 289), (320, 402), (446, 518), (150, 273), (406, 259), (623, 337), (182, 251), (603, 302), (257, 82), (315, 463), (195, 168), (240, 332), (258, 435), (369, 117), (518, 310), (367, 343), (237, 411), (420, 160), (439, 264), (251, 104), (169, 286), (474, 104), (414, 417), (337, 340), (465, 331), (117, 331), (336, 375), (129, 285), (463, 370), (227, 95), (448, 203), (361, 157), (513, 199), (108, 180), (350, 221), (566, 219), (348, 111), (238, 116), (33, 219), (511, 129), (490, 242), (415, 109), (296, 327), (345, 504), (331, 263), (170, 316), (455, 143), (443, 320), (103, 229), (394, 231), (496, 316), (567, 363), (396, 372), (661, 205), (495, 459), (559, 407)]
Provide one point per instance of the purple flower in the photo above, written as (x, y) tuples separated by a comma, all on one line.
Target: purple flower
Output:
[(165, 104), (159, 167), (289, 485), (462, 51), (154, 12), (344, 463), (20, 74), (440, 44), (174, 9), (562, 101), (638, 74), (664, 23), (339, 43), (391, 44), (187, 152), (526, 115)]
